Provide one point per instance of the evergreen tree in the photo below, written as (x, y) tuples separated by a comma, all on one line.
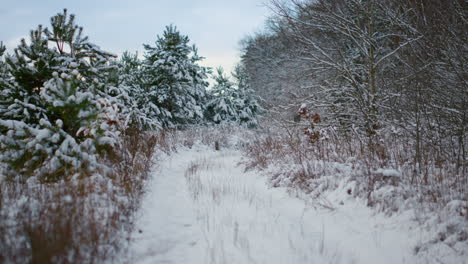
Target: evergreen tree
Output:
[(27, 70), (7, 88), (247, 103), (57, 117), (138, 110), (221, 107), (176, 83), (230, 104)]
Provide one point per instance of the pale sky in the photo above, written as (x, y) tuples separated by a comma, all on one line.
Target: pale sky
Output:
[(214, 26)]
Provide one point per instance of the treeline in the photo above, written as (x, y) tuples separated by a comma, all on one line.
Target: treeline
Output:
[(66, 105), (168, 88), (374, 70)]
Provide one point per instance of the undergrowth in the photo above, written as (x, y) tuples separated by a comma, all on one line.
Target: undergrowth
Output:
[(383, 174), (80, 219), (89, 219)]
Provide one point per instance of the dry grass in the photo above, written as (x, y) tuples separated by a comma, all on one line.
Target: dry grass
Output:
[(88, 219), (434, 181), (435, 189), (82, 220)]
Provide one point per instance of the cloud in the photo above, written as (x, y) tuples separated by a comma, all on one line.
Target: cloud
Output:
[(12, 43)]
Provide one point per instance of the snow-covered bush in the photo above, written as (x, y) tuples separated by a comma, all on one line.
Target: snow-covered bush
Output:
[(319, 165), (55, 104)]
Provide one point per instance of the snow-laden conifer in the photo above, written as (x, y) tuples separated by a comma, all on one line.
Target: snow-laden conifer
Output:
[(232, 103), (57, 110), (221, 107), (138, 110), (248, 107), (176, 84)]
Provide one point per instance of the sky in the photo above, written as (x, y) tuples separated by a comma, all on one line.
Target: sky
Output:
[(214, 26)]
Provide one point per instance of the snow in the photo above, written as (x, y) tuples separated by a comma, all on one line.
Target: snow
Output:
[(59, 123), (202, 207), (166, 233), (389, 172)]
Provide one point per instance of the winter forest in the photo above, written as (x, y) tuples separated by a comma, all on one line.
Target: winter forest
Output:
[(340, 137)]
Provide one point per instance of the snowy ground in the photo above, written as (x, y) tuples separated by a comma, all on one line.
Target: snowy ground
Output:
[(203, 208)]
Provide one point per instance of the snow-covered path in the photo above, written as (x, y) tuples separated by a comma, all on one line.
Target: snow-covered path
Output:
[(203, 208), (167, 231)]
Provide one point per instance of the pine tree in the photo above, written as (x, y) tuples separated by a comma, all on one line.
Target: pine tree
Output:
[(247, 105), (58, 120), (176, 83), (28, 69), (221, 107), (7, 88), (138, 110), (229, 104)]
